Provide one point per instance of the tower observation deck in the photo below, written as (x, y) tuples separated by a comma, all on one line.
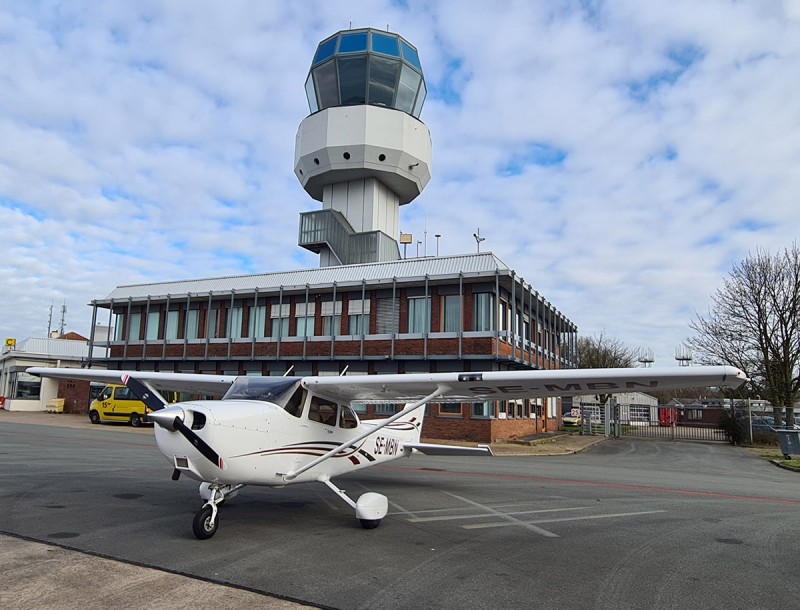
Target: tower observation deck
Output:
[(362, 152)]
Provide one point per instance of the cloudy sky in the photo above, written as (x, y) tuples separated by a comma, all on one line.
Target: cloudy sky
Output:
[(620, 155)]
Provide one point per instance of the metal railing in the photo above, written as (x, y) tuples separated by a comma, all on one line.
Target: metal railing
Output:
[(593, 421)]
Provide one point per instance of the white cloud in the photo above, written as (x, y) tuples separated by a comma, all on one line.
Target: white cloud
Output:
[(619, 155)]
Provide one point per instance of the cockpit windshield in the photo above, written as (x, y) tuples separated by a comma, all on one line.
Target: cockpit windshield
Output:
[(270, 389)]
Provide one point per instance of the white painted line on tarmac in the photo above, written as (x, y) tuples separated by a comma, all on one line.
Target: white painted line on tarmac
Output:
[(508, 519), (492, 514), (477, 526), (460, 508)]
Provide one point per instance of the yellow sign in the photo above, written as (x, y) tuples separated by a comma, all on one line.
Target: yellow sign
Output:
[(11, 342)]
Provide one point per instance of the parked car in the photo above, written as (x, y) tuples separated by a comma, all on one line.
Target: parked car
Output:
[(571, 418), (763, 423)]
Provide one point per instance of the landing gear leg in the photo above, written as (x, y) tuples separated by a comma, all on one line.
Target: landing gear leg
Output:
[(370, 508), (206, 520)]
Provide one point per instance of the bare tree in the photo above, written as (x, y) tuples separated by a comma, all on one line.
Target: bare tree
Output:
[(753, 323), (600, 352)]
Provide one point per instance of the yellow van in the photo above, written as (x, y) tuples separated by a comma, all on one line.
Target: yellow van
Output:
[(118, 403)]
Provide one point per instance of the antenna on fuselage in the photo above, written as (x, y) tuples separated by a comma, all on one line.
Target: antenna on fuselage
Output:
[(344, 371), (286, 374)]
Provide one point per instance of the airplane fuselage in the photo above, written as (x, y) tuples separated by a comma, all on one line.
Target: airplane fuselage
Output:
[(259, 442)]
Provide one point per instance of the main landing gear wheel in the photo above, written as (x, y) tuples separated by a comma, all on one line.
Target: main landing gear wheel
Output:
[(205, 523)]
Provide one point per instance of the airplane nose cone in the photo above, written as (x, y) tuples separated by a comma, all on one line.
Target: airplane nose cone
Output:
[(166, 417)]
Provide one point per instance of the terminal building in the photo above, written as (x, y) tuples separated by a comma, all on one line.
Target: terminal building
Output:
[(362, 152)]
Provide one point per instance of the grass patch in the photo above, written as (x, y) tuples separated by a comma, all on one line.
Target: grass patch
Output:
[(772, 454)]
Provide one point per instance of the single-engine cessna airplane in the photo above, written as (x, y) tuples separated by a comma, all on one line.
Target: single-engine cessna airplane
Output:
[(275, 431)]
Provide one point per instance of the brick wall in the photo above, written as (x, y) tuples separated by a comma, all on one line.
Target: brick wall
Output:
[(75, 395)]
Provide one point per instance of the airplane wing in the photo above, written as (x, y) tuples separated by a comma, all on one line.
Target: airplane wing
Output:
[(508, 385), (180, 382), (455, 387)]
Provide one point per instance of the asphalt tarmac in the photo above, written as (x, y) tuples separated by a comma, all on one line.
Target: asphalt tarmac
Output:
[(89, 518)]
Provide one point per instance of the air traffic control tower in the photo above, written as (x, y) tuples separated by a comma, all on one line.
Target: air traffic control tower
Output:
[(362, 152)]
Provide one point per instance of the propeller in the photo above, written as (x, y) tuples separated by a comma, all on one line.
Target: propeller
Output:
[(172, 418)]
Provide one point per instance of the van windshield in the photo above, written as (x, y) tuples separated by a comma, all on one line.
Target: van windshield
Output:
[(270, 389)]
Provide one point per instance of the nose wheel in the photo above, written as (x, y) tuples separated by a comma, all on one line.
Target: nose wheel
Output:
[(206, 520), (205, 523)]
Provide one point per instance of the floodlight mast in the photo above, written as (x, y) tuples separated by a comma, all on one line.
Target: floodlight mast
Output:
[(362, 152)]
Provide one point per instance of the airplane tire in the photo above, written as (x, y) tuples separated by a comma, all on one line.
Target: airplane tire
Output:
[(136, 420), (370, 524), (203, 525), (94, 417)]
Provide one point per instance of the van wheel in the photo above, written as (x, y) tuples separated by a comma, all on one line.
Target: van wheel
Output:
[(94, 417), (136, 421)]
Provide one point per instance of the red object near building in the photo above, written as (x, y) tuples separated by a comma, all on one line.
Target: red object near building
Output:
[(667, 416)]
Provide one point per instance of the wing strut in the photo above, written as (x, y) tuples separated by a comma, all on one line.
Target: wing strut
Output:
[(295, 473)]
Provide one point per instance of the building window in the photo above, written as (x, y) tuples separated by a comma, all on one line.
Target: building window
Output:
[(385, 409), (483, 311), (279, 316), (171, 328), (504, 313), (482, 409), (135, 327), (419, 314), (694, 414), (192, 323), (233, 327), (502, 409), (153, 319), (258, 320), (358, 317), (305, 326), (450, 408), (451, 313), (212, 328), (119, 327), (304, 319), (331, 318), (25, 385), (331, 325), (387, 318)]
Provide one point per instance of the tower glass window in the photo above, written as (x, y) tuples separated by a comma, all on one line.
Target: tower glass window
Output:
[(352, 87), (387, 45), (352, 43), (366, 67), (325, 50)]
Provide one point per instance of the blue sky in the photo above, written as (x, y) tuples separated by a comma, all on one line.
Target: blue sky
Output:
[(619, 155)]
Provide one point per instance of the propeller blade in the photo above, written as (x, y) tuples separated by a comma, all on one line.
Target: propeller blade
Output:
[(153, 400), (203, 447)]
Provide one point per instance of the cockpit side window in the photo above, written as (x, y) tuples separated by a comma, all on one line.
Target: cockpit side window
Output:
[(347, 419), (322, 411), (294, 406)]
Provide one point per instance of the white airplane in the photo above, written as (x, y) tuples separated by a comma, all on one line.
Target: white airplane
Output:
[(276, 431)]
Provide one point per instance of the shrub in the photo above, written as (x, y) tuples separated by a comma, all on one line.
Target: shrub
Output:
[(733, 428)]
